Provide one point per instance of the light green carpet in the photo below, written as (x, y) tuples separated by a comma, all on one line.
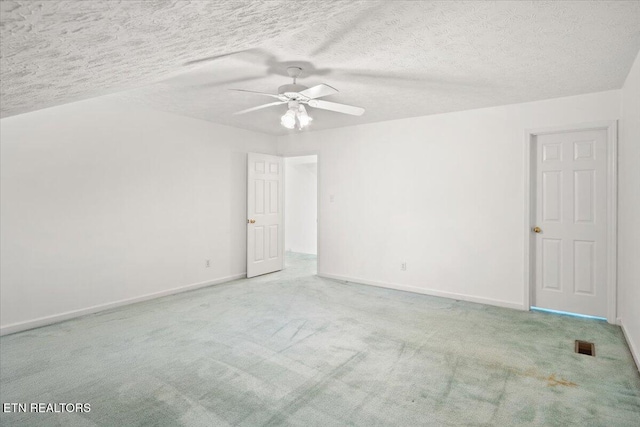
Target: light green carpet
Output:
[(293, 349)]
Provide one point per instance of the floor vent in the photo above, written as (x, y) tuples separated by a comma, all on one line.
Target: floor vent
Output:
[(585, 347)]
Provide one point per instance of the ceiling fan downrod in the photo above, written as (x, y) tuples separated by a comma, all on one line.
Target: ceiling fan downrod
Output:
[(294, 73)]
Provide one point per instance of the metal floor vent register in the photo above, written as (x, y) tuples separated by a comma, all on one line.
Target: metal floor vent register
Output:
[(585, 347)]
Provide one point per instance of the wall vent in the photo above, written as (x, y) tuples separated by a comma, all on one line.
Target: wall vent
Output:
[(585, 347)]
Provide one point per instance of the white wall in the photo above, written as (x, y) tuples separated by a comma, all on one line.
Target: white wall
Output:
[(629, 210), (103, 203), (445, 193), (301, 204)]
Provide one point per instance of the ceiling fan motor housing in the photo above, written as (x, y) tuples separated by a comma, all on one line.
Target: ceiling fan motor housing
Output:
[(293, 105), (291, 90)]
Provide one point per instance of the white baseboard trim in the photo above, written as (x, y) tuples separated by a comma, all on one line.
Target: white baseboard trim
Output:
[(632, 346), (299, 253), (424, 291), (55, 318)]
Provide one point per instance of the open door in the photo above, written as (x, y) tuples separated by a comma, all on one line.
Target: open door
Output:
[(265, 225)]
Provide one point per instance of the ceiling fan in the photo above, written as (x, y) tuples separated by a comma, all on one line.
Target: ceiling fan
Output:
[(297, 96)]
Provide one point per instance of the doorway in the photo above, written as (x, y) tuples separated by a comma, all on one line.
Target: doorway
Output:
[(571, 214), (301, 211)]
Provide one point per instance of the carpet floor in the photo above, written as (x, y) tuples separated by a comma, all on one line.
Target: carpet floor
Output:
[(290, 348)]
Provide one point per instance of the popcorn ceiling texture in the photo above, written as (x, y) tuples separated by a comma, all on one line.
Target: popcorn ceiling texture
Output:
[(396, 59), (60, 51)]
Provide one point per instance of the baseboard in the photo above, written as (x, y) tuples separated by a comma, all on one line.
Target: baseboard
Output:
[(432, 292), (632, 346), (55, 318), (299, 253)]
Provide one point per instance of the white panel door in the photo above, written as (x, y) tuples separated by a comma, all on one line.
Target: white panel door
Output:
[(571, 214), (265, 253)]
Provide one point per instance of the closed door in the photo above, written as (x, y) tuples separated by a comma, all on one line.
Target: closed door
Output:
[(265, 252), (571, 222)]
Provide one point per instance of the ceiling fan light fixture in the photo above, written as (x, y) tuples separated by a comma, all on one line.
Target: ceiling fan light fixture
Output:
[(288, 120), (303, 118)]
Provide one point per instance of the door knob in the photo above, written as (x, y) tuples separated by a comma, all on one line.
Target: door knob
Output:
[(251, 221), (536, 229)]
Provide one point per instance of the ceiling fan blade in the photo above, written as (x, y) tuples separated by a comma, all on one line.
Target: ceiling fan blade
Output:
[(260, 93), (334, 106), (319, 91), (259, 107)]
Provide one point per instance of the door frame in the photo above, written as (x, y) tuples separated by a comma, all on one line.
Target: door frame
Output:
[(294, 153), (611, 127)]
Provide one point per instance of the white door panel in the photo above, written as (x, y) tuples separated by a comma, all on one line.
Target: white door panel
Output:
[(265, 252), (570, 209)]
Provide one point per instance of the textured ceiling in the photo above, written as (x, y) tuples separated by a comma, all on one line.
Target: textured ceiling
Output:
[(395, 58)]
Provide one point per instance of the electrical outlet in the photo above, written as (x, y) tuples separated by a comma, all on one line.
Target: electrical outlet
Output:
[(403, 266), (207, 263)]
